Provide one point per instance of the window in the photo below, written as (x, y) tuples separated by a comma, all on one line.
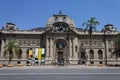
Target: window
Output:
[(100, 54), (64, 19), (56, 18), (60, 27), (60, 45), (20, 54), (91, 52)]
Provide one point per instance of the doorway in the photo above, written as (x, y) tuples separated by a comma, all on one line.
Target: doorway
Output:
[(60, 57)]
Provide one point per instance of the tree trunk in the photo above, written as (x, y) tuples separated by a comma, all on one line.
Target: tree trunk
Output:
[(10, 56), (90, 36)]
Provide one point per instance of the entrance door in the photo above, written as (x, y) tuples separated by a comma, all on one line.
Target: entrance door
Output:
[(83, 61), (60, 57)]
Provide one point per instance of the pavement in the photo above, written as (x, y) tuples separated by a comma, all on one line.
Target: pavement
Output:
[(59, 67), (55, 72)]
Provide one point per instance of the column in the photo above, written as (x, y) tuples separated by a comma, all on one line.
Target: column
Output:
[(2, 47), (51, 48), (47, 47), (107, 49), (73, 54), (70, 48), (76, 47), (95, 54)]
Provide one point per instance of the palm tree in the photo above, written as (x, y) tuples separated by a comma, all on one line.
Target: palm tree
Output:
[(90, 25), (10, 49)]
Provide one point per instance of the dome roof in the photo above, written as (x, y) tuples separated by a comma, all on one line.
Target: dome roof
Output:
[(9, 26), (60, 18), (110, 27)]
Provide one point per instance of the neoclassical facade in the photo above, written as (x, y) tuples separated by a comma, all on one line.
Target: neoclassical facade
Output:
[(62, 41)]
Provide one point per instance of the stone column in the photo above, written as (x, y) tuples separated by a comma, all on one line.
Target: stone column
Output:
[(107, 49), (51, 48), (76, 47), (47, 48), (73, 54), (95, 53), (2, 47), (70, 48)]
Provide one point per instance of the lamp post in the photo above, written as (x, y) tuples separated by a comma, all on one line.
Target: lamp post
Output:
[(68, 46), (105, 47)]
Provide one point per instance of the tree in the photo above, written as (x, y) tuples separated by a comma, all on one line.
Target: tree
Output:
[(10, 49), (117, 46), (90, 25)]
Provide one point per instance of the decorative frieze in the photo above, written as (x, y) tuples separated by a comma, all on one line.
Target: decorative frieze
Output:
[(28, 42)]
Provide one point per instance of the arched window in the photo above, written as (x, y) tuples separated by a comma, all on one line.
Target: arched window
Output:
[(100, 54), (56, 19), (91, 52), (20, 54), (60, 45)]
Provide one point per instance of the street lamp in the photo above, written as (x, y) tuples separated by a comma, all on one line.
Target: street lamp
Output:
[(105, 47), (108, 31)]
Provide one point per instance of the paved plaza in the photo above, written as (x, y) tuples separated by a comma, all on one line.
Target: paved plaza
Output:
[(59, 67)]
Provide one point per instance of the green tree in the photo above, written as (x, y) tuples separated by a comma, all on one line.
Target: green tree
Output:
[(117, 46), (90, 26), (11, 49)]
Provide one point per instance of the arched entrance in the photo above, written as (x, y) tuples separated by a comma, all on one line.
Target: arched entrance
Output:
[(91, 53), (100, 56), (61, 51), (82, 55)]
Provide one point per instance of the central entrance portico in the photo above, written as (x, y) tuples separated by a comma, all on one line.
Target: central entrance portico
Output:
[(61, 51)]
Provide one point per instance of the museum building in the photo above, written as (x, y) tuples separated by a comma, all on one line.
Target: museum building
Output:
[(62, 41)]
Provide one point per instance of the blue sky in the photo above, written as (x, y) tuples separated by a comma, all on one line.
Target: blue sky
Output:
[(27, 14)]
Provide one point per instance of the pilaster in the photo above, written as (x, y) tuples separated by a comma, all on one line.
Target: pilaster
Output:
[(2, 47), (47, 48), (107, 48), (73, 48), (51, 48), (70, 48)]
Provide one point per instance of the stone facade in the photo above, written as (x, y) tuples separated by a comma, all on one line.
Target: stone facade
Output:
[(62, 41)]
